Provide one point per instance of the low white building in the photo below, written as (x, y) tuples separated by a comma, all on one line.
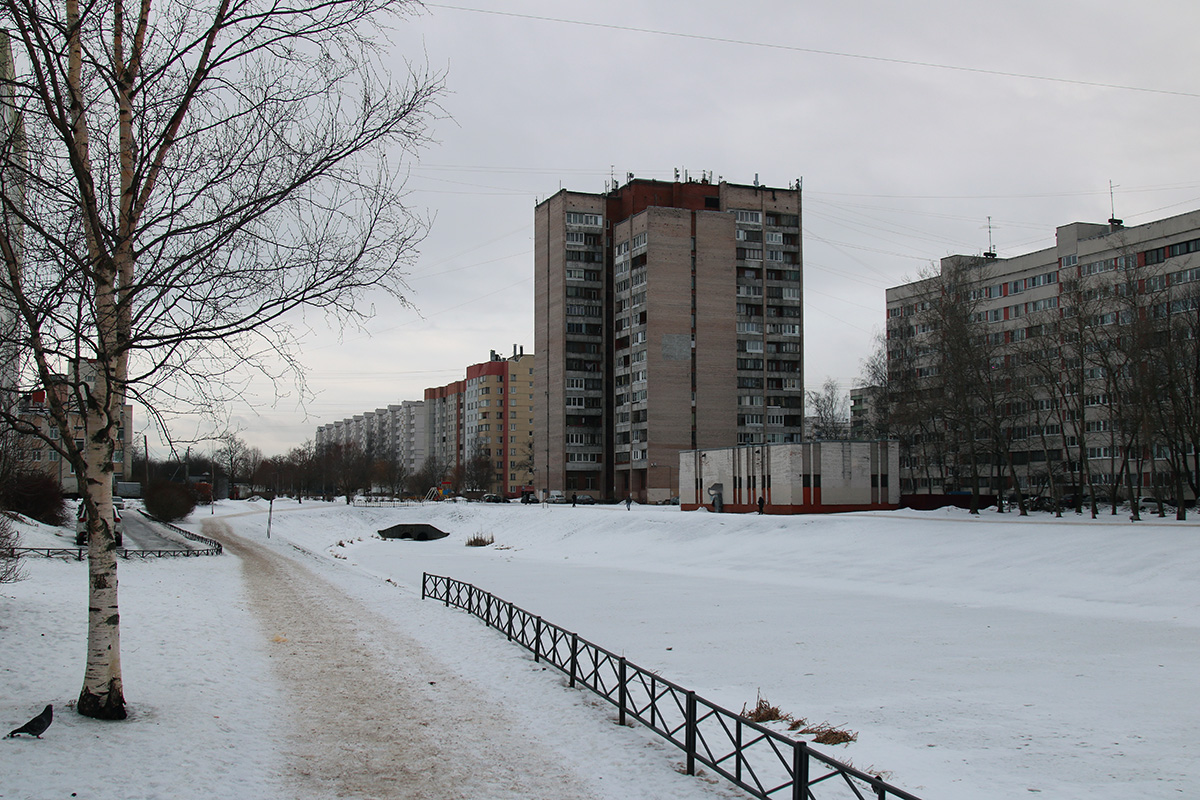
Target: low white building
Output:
[(801, 478)]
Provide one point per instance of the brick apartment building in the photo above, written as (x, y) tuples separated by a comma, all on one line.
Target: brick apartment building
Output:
[(489, 413), (668, 317)]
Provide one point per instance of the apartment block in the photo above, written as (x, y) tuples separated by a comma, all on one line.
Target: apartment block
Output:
[(668, 317), (395, 433), (488, 414), (1066, 371), (39, 449)]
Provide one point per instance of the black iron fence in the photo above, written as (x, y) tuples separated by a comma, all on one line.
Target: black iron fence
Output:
[(765, 763), (80, 553), (214, 547)]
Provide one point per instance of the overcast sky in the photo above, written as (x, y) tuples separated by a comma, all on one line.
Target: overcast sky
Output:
[(910, 124)]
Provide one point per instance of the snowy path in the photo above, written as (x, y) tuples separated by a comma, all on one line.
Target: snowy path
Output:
[(373, 715)]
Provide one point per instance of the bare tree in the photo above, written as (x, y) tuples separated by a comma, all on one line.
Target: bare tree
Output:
[(179, 183), (830, 410)]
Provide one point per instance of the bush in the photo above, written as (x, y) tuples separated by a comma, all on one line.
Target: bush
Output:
[(168, 502), (10, 562), (480, 540), (37, 496)]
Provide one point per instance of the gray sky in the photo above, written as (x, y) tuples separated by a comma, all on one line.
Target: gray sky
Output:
[(902, 161)]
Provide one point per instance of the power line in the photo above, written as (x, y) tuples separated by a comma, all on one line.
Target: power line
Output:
[(815, 51)]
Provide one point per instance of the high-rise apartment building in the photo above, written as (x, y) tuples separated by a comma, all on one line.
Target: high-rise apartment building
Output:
[(487, 415), (1066, 371), (668, 317)]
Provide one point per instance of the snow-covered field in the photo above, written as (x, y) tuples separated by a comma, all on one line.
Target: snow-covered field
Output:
[(988, 657)]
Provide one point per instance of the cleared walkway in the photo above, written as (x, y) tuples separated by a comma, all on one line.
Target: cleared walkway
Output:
[(372, 714)]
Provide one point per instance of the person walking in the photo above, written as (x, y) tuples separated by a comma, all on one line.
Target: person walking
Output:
[(761, 503), (628, 501)]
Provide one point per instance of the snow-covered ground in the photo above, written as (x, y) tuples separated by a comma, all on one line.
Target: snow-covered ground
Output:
[(982, 658)]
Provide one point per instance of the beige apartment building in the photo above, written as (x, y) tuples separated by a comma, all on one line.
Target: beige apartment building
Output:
[(1068, 371), (489, 413), (40, 451), (668, 317)]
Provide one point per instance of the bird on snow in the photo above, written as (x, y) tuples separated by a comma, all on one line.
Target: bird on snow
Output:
[(36, 726)]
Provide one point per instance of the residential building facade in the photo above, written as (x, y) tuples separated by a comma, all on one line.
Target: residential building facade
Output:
[(668, 317), (396, 433), (1066, 371), (40, 451), (486, 416)]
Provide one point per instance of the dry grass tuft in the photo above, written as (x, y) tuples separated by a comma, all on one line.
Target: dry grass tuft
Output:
[(824, 733), (480, 540), (764, 712)]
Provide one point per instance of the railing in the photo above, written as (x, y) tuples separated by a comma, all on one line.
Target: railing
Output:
[(214, 547), (80, 553), (765, 763)]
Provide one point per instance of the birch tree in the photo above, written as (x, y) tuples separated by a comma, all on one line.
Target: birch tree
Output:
[(180, 183)]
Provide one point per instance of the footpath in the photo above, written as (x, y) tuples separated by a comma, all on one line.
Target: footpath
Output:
[(410, 730)]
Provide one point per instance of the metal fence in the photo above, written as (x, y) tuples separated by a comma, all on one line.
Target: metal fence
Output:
[(80, 553), (761, 761)]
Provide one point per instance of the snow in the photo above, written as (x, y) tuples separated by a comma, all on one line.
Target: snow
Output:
[(983, 657)]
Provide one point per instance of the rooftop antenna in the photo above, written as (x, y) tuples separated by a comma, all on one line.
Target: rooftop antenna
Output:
[(991, 251), (1113, 222)]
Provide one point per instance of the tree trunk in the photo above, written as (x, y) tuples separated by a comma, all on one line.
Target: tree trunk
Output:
[(102, 695)]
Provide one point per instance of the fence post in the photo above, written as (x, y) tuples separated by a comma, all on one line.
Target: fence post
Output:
[(424, 578), (447, 598), (690, 736), (537, 639), (508, 628), (622, 691), (800, 770), (487, 609), (574, 657)]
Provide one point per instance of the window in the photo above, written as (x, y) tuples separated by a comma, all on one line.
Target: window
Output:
[(639, 241), (748, 217), (577, 218), (774, 237), (574, 402)]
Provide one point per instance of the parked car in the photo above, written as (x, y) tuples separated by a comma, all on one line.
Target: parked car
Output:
[(556, 496), (584, 500), (493, 498), (81, 526)]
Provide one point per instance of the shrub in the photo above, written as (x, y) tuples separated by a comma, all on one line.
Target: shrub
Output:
[(36, 495), (10, 562), (168, 501), (479, 540)]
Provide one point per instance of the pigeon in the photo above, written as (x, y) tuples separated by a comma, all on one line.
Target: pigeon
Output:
[(36, 726)]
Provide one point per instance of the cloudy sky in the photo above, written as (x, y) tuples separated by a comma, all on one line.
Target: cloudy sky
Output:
[(911, 124)]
